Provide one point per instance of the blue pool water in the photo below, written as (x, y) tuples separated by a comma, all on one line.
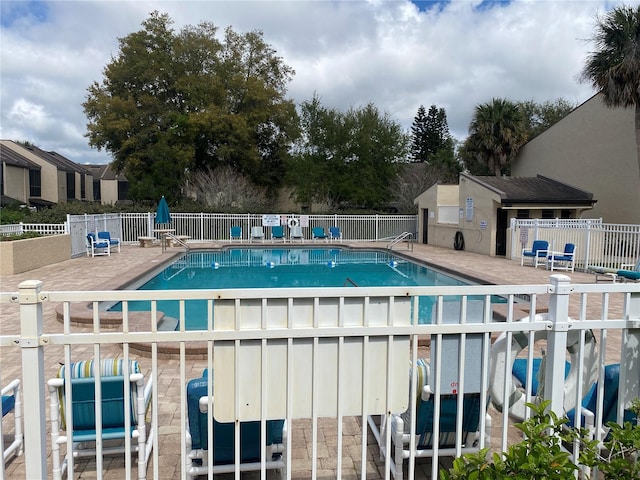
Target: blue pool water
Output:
[(286, 268)]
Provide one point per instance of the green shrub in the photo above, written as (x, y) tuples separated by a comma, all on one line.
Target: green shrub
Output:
[(541, 454), (21, 236)]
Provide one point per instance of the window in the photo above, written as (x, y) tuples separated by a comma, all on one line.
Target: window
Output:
[(35, 183), (522, 214), (71, 185), (566, 214), (83, 187), (96, 190), (123, 190), (548, 214), (448, 214)]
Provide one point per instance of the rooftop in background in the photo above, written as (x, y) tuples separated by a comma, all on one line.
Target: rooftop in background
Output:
[(537, 190)]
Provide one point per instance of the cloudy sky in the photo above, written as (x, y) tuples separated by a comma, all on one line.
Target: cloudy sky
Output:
[(396, 54)]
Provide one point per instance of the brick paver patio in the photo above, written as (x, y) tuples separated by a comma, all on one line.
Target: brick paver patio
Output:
[(106, 273)]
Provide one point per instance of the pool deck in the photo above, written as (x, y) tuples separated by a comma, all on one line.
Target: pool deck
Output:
[(110, 273)]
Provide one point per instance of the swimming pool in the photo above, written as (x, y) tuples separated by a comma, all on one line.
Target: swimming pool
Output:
[(287, 268)]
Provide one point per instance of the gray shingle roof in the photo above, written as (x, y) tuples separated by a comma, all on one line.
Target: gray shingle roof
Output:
[(535, 190)]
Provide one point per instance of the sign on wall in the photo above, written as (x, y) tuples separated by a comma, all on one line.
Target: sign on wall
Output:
[(469, 204)]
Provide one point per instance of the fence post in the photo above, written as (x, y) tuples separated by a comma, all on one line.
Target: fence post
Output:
[(557, 342), (33, 379), (587, 242), (630, 368)]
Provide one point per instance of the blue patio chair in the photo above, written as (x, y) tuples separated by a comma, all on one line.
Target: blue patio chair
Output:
[(80, 421), (224, 454), (96, 247), (537, 254), (471, 431), (12, 404), (564, 260), (335, 234), (277, 233), (235, 233), (424, 424), (318, 233), (113, 241)]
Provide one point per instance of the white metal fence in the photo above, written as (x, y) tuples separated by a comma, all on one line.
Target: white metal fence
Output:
[(323, 359), (597, 243), (41, 228)]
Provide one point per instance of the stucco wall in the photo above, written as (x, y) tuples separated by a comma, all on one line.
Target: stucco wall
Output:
[(16, 183), (48, 173), (108, 192), (593, 148), (478, 224), (23, 255)]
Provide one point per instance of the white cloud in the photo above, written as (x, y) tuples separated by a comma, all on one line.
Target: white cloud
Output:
[(349, 52)]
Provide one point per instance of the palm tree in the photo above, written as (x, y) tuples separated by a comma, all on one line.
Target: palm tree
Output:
[(614, 68), (496, 133)]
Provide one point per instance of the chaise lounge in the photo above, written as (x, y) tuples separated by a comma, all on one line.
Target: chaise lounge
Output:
[(123, 419), (221, 457)]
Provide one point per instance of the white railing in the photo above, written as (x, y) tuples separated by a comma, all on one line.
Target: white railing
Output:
[(323, 359), (215, 227), (40, 228), (597, 243)]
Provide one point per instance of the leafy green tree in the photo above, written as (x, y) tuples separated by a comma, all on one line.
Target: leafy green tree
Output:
[(346, 158), (171, 103), (496, 133), (614, 68), (540, 116)]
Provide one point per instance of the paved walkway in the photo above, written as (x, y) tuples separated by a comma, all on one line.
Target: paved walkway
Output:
[(114, 272)]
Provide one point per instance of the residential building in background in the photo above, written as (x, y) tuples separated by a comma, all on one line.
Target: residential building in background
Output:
[(38, 178), (109, 187), (594, 149)]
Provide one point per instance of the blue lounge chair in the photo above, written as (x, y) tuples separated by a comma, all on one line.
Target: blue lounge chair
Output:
[(277, 233), (318, 233), (614, 273), (82, 417), (97, 247), (537, 254), (424, 424), (223, 453), (564, 260), (235, 233), (335, 234), (633, 275), (113, 241), (610, 382), (12, 404)]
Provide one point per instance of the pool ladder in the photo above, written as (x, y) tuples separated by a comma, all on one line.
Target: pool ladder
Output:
[(170, 236), (348, 280), (404, 236)]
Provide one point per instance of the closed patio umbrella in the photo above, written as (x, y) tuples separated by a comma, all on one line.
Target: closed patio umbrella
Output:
[(162, 214)]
